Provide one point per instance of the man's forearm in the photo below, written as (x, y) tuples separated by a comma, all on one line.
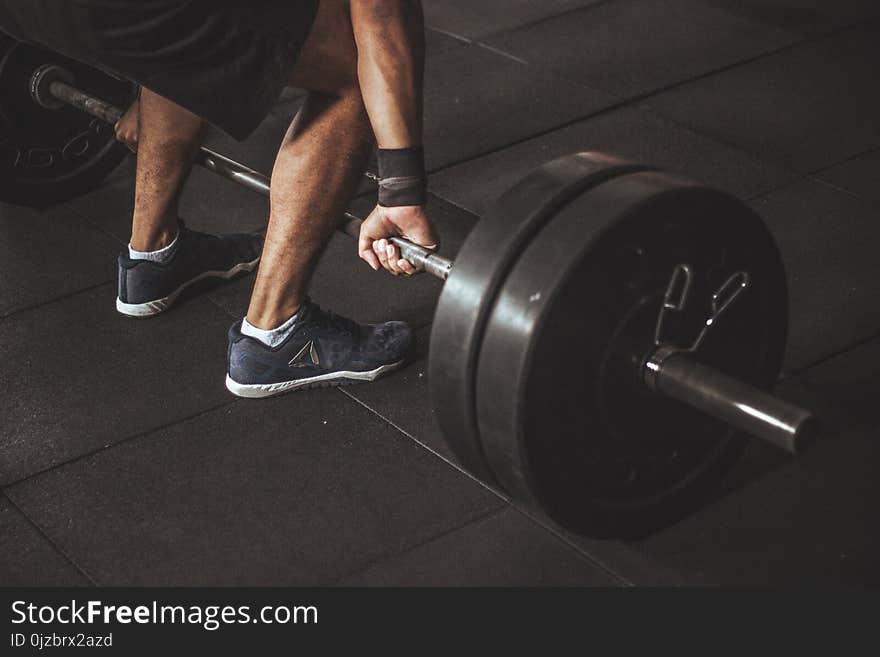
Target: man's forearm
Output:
[(390, 38)]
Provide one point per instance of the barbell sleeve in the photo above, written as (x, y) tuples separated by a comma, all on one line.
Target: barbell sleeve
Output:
[(89, 104), (225, 167), (676, 374)]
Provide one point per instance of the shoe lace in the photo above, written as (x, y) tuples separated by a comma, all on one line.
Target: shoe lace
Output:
[(339, 323)]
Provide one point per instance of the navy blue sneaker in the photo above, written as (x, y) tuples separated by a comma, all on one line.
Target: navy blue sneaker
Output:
[(323, 349), (148, 288)]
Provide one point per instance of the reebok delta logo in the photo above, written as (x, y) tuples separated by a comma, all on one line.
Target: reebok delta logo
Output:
[(305, 357)]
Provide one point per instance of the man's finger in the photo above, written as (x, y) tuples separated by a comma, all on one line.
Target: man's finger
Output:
[(380, 248), (365, 245), (406, 267), (393, 257), (370, 258)]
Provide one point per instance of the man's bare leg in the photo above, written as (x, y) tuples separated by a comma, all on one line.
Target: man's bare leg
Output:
[(317, 169), (168, 139), (151, 276), (277, 347)]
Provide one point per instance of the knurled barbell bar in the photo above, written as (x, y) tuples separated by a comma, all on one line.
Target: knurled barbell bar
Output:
[(602, 337)]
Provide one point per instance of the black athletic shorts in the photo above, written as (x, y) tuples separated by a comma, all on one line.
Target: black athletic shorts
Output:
[(226, 62)]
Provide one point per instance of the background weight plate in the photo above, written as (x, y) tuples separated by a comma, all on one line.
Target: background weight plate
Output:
[(480, 267), (564, 419), (47, 156)]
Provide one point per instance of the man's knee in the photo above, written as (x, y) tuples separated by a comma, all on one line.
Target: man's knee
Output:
[(162, 121), (327, 61)]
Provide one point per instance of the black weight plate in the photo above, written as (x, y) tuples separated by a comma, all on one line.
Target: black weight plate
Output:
[(46, 155), (565, 420), (480, 267)]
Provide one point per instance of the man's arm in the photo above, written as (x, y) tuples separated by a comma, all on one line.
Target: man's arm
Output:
[(390, 38)]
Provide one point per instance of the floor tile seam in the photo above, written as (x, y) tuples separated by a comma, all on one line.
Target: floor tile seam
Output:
[(726, 143), (16, 311), (456, 204), (436, 536), (96, 226), (800, 40), (118, 443), (524, 26), (800, 371), (837, 188), (795, 175), (48, 538), (598, 562), (635, 103), (452, 35), (824, 169), (527, 138), (590, 559), (493, 491)]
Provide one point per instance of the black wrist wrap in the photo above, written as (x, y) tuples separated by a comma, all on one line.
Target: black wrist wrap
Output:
[(402, 179)]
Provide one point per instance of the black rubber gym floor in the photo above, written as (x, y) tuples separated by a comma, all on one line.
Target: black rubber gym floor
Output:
[(123, 460)]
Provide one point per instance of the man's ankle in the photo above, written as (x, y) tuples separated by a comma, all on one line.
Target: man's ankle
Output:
[(276, 334), (269, 319), (153, 240)]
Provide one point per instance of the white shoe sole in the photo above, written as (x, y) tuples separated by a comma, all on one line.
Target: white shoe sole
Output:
[(160, 305), (259, 390)]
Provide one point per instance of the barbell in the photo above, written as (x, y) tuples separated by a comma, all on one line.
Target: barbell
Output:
[(606, 337)]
